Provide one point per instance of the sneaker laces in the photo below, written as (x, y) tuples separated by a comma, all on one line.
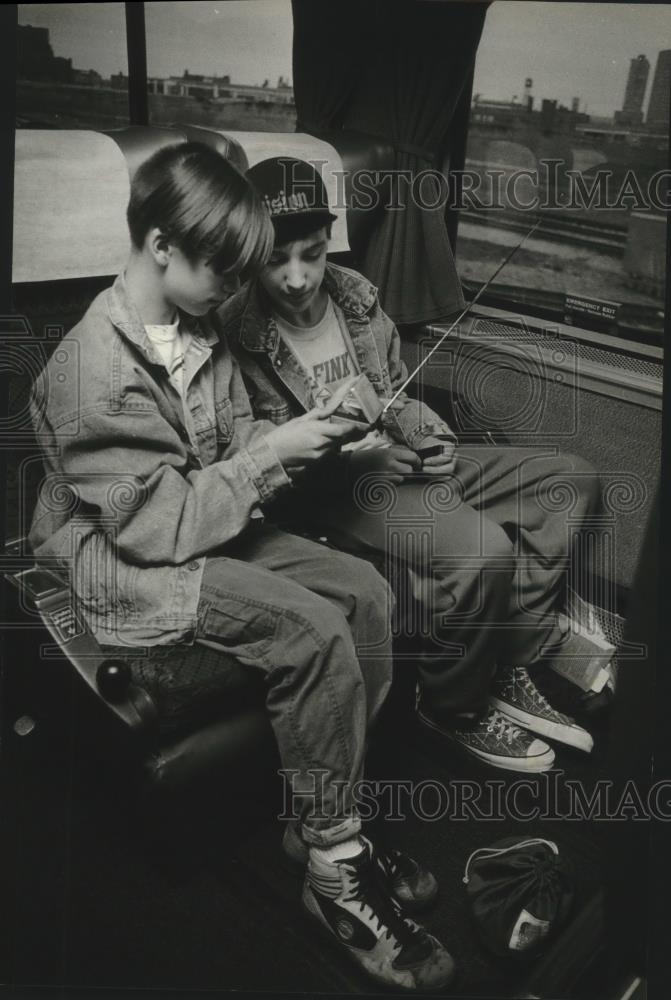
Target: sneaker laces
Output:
[(501, 726), (520, 675), (368, 890), (394, 862)]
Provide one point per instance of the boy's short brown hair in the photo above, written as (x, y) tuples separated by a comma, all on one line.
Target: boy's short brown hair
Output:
[(203, 205)]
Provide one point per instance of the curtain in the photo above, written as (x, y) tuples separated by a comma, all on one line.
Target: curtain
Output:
[(329, 48), (397, 72)]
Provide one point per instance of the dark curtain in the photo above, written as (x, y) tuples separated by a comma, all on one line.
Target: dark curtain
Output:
[(397, 73), (330, 41)]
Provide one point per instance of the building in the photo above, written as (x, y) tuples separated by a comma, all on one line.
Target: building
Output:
[(215, 88), (513, 116), (658, 107), (637, 81), (35, 59), (87, 78)]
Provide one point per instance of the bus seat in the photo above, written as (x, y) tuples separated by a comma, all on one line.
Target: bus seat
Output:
[(165, 762), (58, 179), (62, 228), (234, 738)]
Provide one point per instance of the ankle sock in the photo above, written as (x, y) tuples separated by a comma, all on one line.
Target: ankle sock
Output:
[(337, 852)]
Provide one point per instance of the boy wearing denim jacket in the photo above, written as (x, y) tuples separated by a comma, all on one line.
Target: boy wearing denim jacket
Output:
[(475, 527), (158, 476)]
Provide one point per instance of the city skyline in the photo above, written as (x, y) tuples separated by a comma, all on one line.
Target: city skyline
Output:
[(510, 50)]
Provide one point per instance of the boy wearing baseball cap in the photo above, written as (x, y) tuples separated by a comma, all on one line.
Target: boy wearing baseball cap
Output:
[(483, 544)]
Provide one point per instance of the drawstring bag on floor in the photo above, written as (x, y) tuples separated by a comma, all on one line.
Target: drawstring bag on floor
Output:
[(521, 892)]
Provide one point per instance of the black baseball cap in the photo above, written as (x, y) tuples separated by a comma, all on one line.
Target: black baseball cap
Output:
[(295, 195)]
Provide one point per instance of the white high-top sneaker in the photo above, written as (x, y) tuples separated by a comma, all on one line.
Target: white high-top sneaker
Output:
[(354, 906)]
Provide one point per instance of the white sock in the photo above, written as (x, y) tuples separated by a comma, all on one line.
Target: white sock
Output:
[(344, 849)]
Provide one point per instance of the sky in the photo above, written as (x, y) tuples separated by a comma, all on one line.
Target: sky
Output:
[(568, 49)]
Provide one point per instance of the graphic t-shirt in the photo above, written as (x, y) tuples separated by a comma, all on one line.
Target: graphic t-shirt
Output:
[(322, 350), (326, 353)]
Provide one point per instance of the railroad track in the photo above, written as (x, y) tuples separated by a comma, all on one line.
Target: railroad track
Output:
[(607, 238)]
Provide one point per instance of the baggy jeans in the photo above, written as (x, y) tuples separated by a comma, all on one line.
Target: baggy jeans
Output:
[(487, 550), (316, 622)]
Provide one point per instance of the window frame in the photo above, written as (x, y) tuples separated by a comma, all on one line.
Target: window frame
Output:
[(138, 113), (136, 47), (459, 138)]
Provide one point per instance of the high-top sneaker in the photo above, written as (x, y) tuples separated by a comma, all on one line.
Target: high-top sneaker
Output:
[(352, 903), (410, 883), (494, 739), (516, 695)]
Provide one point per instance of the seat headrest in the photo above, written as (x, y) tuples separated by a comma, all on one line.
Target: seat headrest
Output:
[(71, 188)]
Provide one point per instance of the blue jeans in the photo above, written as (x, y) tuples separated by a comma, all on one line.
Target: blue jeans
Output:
[(487, 551), (316, 623)]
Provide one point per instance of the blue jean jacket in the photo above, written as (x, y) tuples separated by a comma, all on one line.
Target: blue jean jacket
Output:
[(140, 485), (277, 384)]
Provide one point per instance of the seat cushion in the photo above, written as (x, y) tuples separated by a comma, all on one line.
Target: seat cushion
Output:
[(191, 686)]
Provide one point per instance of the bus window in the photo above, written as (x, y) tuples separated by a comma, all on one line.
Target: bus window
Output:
[(225, 84), (569, 124), (72, 66)]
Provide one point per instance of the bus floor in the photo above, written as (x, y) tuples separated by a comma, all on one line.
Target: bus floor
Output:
[(199, 898)]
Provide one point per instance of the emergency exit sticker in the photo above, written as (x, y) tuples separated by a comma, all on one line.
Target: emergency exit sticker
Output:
[(583, 305)]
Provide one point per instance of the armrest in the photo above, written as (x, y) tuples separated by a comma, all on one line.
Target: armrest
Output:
[(110, 679)]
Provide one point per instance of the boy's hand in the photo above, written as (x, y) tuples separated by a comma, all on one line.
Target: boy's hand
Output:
[(442, 463), (307, 438), (394, 462)]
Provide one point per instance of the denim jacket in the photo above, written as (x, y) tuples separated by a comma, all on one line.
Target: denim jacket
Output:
[(139, 487), (277, 384)]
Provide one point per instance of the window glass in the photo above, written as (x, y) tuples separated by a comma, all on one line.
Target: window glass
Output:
[(569, 126), (72, 66), (223, 65)]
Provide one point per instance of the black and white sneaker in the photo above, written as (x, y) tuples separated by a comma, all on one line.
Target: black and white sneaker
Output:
[(410, 883), (352, 904), (516, 695), (496, 740)]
